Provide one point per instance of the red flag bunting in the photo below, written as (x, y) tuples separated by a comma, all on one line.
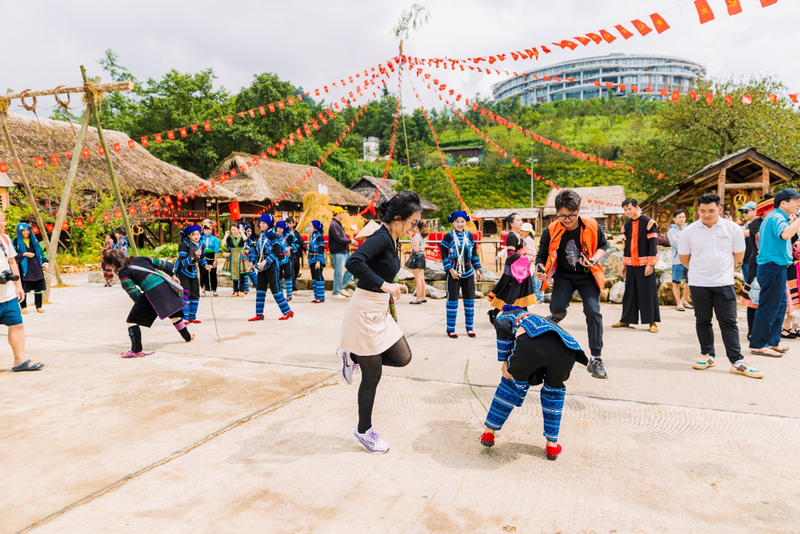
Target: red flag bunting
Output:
[(625, 33), (643, 28), (229, 119), (676, 96), (773, 98), (729, 100), (3, 166), (703, 11), (54, 159), (793, 97), (117, 148), (171, 135), (747, 99), (207, 126), (709, 98), (106, 217), (145, 142), (183, 132), (39, 162), (734, 7), (659, 23), (157, 137), (85, 153), (765, 3), (594, 37), (607, 36)]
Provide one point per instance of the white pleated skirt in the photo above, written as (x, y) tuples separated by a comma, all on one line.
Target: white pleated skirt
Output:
[(367, 326)]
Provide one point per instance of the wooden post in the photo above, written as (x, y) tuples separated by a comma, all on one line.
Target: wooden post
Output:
[(216, 202), (92, 105), (765, 180), (721, 186), (160, 233), (65, 195)]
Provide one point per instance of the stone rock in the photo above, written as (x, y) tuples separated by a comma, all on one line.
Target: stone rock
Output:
[(404, 274), (434, 271), (616, 293), (664, 262), (604, 295), (610, 251), (434, 293), (437, 284), (665, 295), (488, 276), (610, 281), (612, 265), (665, 277)]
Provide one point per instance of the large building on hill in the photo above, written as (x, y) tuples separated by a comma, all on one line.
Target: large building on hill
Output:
[(654, 71)]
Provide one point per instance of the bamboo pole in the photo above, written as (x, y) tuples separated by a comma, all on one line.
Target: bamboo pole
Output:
[(92, 105), (115, 86)]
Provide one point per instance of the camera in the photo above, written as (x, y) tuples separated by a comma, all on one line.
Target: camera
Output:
[(8, 276)]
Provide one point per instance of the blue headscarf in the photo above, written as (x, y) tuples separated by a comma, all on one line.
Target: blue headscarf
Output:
[(317, 225), (268, 219), (456, 214), (186, 232), (281, 224), (19, 246)]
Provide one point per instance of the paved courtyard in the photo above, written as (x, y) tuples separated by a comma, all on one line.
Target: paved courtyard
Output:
[(250, 433)]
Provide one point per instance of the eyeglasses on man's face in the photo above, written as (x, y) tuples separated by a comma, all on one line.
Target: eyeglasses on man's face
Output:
[(562, 217), (745, 212)]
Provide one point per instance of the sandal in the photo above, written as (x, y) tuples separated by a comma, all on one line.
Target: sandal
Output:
[(27, 365), (788, 334), (766, 351), (131, 354), (780, 349), (688, 306), (680, 308), (653, 329)]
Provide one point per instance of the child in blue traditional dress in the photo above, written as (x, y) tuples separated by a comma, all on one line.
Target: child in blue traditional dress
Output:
[(316, 260), (462, 265), (283, 251), (262, 256), (187, 269), (533, 351), (32, 266)]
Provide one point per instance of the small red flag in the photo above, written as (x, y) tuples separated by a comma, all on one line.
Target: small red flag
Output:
[(660, 24), (734, 7), (117, 148), (281, 105), (290, 100), (171, 135), (118, 214), (252, 113), (183, 132), (101, 151), (663, 92), (68, 154), (144, 206), (625, 33), (206, 126), (85, 153), (709, 98), (131, 210), (747, 99), (106, 217), (545, 49), (145, 142), (703, 11), (607, 36), (773, 98), (233, 207), (54, 159), (643, 28), (3, 166), (131, 144), (229, 119), (233, 173), (676, 95), (79, 223), (729, 100), (271, 108), (765, 3), (261, 110), (583, 40), (793, 97), (594, 37), (50, 226), (693, 95), (157, 137), (39, 162), (635, 88), (194, 128)]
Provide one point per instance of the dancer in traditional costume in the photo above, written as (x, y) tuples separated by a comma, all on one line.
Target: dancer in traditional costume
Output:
[(370, 337), (122, 239), (638, 268), (533, 351), (32, 266), (147, 281), (295, 240), (283, 251), (250, 274), (237, 261), (265, 263), (513, 288), (187, 268), (209, 244), (316, 260), (109, 243), (461, 263)]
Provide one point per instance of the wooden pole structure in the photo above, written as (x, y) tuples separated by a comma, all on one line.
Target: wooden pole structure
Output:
[(116, 86), (66, 194), (92, 106)]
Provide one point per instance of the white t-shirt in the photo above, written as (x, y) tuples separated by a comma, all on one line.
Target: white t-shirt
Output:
[(712, 250), (8, 290)]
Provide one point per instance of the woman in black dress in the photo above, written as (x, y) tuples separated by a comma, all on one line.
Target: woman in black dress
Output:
[(370, 337), (510, 289), (147, 281)]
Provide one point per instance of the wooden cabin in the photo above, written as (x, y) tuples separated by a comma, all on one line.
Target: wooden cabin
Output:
[(610, 218), (368, 185)]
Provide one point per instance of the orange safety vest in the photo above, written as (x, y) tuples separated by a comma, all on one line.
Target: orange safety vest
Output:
[(589, 231)]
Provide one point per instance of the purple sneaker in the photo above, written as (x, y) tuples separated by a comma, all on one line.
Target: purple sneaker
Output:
[(370, 440), (131, 354), (348, 367)]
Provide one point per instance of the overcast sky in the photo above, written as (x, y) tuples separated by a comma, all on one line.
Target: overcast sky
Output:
[(314, 42)]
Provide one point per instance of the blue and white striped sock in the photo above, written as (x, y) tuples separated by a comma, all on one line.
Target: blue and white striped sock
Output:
[(452, 313), (288, 284), (253, 276), (246, 285), (319, 290), (469, 314), (552, 407), (193, 305), (509, 393), (261, 297), (281, 302), (187, 309)]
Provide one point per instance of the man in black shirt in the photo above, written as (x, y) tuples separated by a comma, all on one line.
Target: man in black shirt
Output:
[(569, 255)]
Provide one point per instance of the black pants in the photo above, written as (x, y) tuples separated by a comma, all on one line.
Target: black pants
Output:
[(285, 270), (208, 279), (465, 284), (143, 314), (543, 358), (564, 285), (641, 297), (268, 279), (721, 301), (295, 269), (192, 284), (238, 283), (316, 271)]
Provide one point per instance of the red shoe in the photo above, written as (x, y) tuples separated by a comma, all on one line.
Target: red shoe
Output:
[(257, 318), (471, 333), (487, 439), (553, 452), (452, 335), (315, 301), (288, 300), (287, 316), (193, 321)]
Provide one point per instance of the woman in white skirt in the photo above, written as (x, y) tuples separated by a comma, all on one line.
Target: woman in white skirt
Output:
[(370, 337)]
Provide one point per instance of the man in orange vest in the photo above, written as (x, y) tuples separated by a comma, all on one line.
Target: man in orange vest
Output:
[(569, 258)]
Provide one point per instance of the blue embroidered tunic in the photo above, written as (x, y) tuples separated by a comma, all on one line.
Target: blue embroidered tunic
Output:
[(261, 250), (460, 252), (190, 255), (316, 248)]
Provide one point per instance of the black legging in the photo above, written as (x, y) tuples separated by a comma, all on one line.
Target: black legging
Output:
[(316, 271), (208, 279), (398, 355)]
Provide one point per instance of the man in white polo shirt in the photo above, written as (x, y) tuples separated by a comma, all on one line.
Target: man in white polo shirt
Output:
[(710, 248)]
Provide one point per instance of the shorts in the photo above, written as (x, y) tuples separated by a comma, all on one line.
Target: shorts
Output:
[(679, 272), (10, 313)]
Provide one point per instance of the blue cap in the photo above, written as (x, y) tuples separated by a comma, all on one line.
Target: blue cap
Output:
[(317, 225), (268, 219), (190, 229), (749, 206), (456, 214), (280, 224)]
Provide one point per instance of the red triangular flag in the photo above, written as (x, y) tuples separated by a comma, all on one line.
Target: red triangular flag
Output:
[(54, 159), (793, 97), (39, 161), (709, 98), (734, 7), (773, 98), (703, 11), (729, 100), (594, 37), (625, 33), (676, 95), (765, 3), (747, 99), (643, 28), (607, 36), (660, 24)]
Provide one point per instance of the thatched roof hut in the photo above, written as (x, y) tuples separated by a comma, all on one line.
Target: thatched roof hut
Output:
[(367, 186), (259, 185), (138, 172)]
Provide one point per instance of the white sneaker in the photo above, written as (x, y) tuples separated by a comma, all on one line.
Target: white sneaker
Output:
[(348, 366), (370, 440), (339, 297)]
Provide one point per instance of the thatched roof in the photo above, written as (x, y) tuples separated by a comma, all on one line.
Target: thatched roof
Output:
[(502, 213), (367, 186), (136, 169), (266, 181), (613, 194)]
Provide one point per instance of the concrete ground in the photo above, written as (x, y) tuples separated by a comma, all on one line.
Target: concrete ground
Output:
[(251, 433)]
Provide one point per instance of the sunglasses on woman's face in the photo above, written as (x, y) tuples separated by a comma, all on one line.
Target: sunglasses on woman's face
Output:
[(745, 212)]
